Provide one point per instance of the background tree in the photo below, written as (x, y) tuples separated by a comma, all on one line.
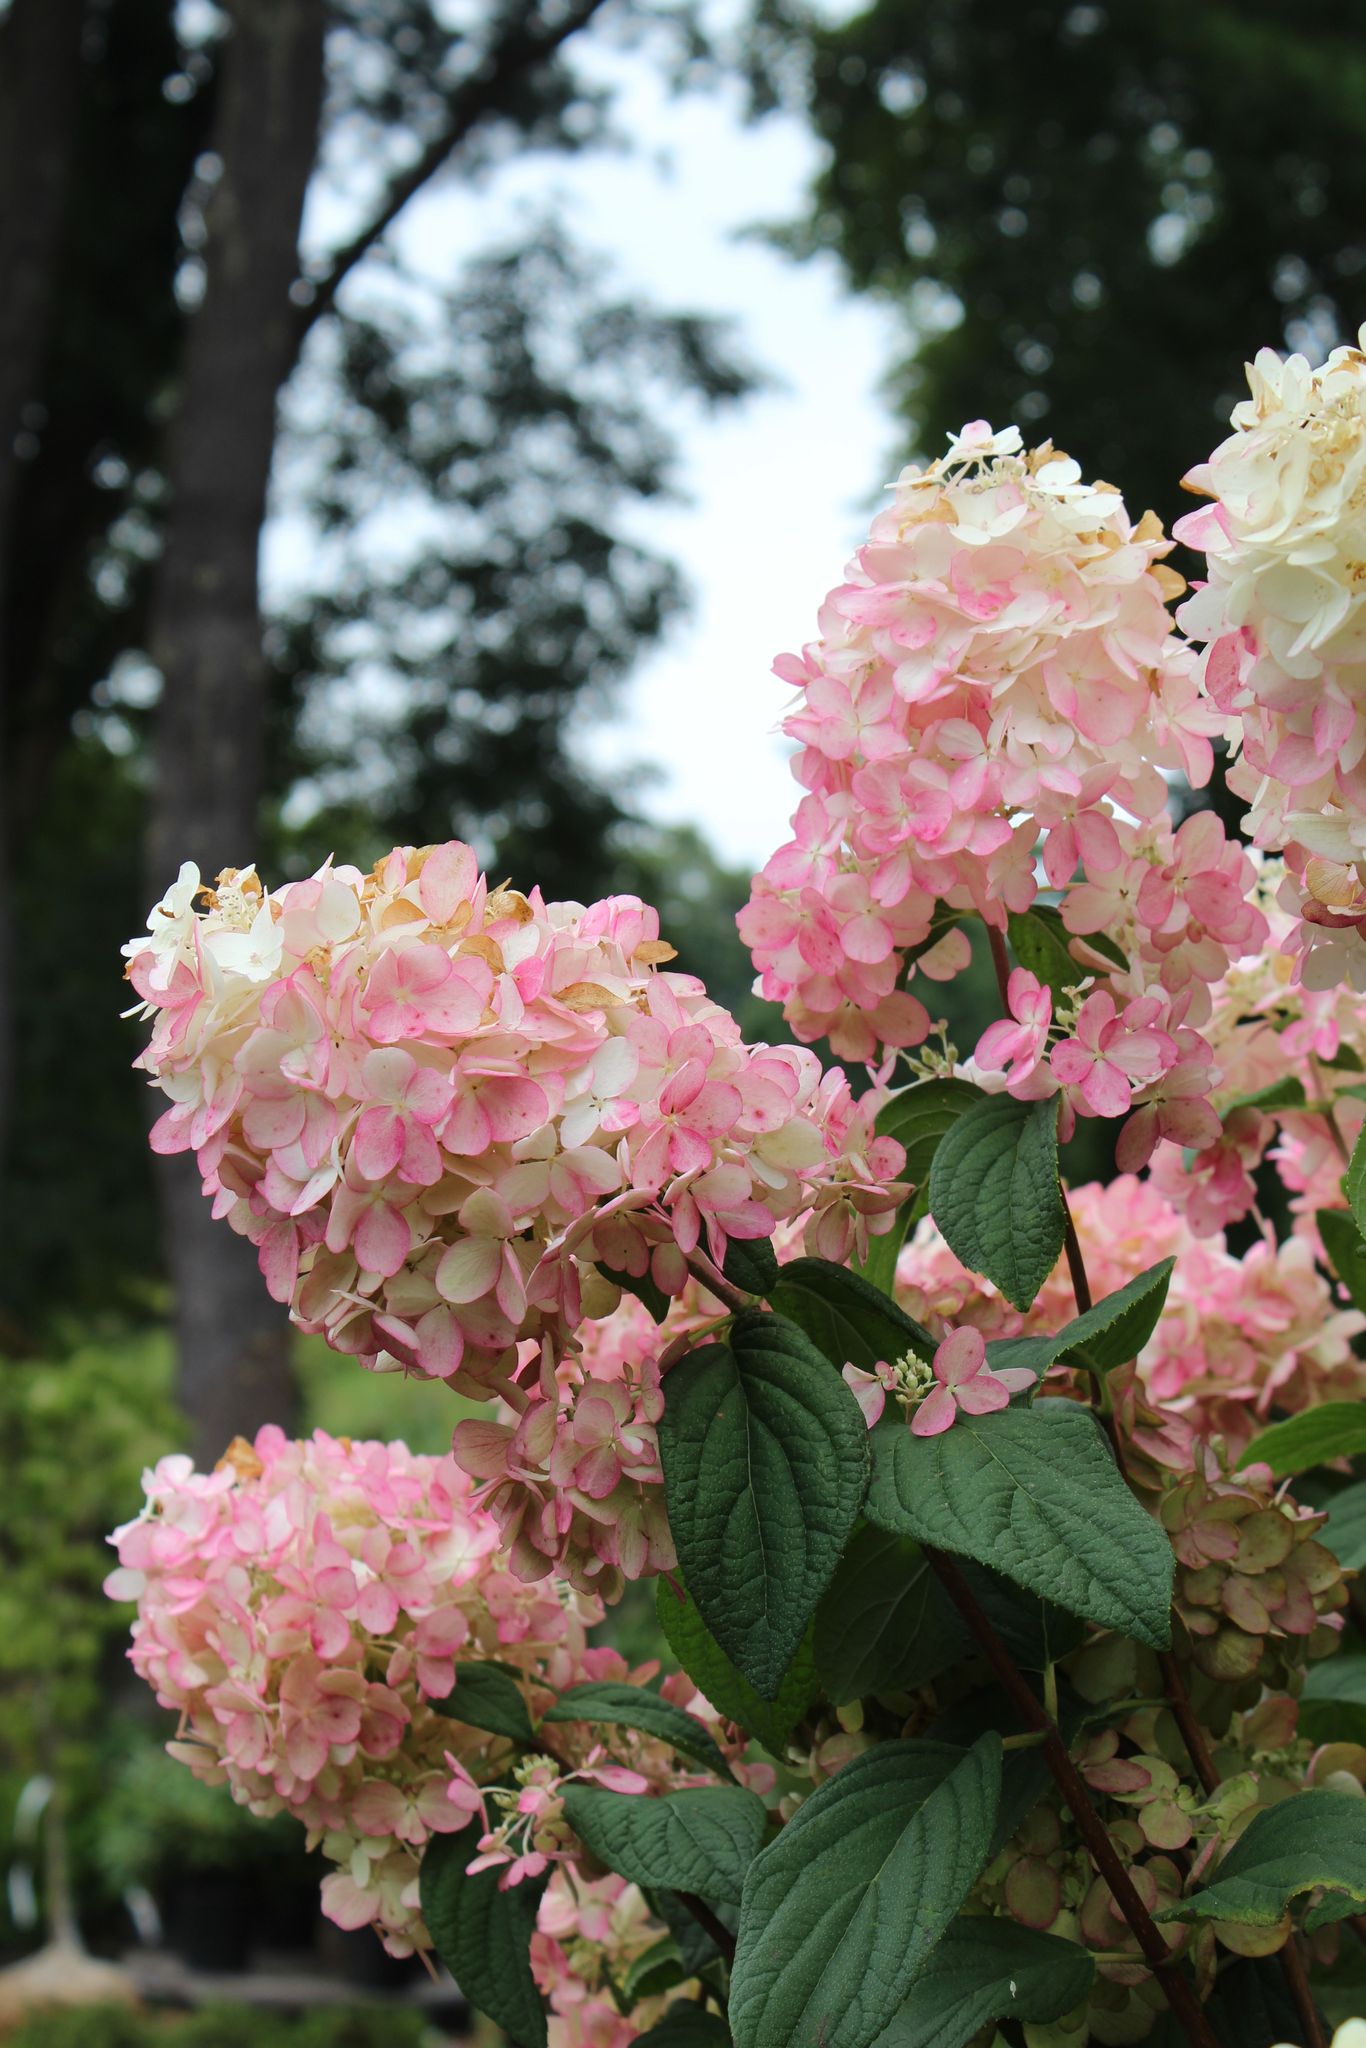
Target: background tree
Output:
[(1087, 215), (501, 427)]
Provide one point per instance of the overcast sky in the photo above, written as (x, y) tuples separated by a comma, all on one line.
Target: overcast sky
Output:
[(778, 492)]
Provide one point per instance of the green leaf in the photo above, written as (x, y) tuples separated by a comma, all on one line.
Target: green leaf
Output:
[(1354, 1182), (659, 1969), (1315, 1838), (1041, 942), (633, 1706), (687, 2026), (488, 1696), (1337, 1429), (1345, 1530), (885, 1624), (483, 1935), (849, 1320), (1119, 1326), (644, 1289), (701, 1840), (1333, 1703), (1033, 1492), (989, 1970), (842, 1910), (1287, 1093), (1110, 1334), (1252, 2005), (1035, 1632), (765, 1456), (1346, 1250), (695, 1945), (729, 1691), (751, 1264), (994, 1193), (917, 1117)]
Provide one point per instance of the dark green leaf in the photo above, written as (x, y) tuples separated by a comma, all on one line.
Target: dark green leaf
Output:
[(700, 1840), (1252, 2006), (1034, 1492), (885, 1624), (751, 1264), (483, 1935), (994, 1193), (984, 1970), (1345, 1059), (842, 1910), (849, 1320), (1345, 1531), (1025, 1776), (659, 1969), (1354, 1182), (1346, 1250), (1337, 1429), (488, 1696), (1110, 1334), (1316, 1838), (695, 1945), (687, 2026), (1333, 1704), (1041, 942), (730, 1692), (917, 1118), (765, 1456), (1035, 1631), (634, 1706), (1117, 1328), (644, 1289)]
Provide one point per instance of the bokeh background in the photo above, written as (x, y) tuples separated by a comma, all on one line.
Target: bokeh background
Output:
[(427, 418)]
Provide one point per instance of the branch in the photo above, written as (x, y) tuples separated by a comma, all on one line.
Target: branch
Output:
[(1072, 1786), (1174, 1686), (714, 1280), (490, 90), (709, 1923)]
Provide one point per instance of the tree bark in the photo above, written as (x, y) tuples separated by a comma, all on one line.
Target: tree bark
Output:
[(40, 65), (205, 633)]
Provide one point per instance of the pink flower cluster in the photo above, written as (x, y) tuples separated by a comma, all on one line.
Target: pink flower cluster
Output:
[(589, 1934), (301, 1609), (1283, 622), (441, 1110), (1238, 1337), (998, 664), (1266, 1032), (574, 1482)]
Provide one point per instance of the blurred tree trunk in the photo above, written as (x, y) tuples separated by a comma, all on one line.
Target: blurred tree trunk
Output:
[(205, 634), (40, 64)]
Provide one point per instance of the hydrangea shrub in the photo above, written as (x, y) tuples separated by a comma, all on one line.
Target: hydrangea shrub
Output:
[(1004, 1532)]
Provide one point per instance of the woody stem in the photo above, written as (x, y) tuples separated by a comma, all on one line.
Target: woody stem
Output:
[(1178, 1699), (1072, 1786)]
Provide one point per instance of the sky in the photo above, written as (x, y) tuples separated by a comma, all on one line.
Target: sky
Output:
[(777, 492)]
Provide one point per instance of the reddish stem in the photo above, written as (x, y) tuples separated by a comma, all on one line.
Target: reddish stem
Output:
[(1076, 1264), (709, 1923), (1072, 1786), (715, 1282), (996, 941), (1174, 1685)]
